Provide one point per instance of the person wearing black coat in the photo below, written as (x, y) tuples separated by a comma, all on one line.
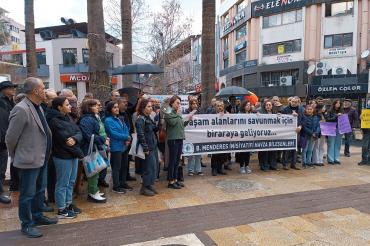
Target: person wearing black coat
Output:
[(67, 138), (146, 135), (7, 91)]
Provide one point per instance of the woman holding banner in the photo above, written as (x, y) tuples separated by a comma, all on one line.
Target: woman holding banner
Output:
[(194, 161), (267, 159), (244, 157), (175, 136), (334, 142), (218, 160)]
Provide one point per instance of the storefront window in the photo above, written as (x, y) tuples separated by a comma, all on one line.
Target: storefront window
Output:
[(41, 58), (282, 18), (85, 56), (282, 48)]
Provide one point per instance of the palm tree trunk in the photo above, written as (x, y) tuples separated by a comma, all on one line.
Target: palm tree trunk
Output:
[(30, 39), (126, 25), (208, 52), (99, 81)]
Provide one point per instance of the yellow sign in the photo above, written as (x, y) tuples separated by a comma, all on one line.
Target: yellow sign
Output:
[(281, 49), (365, 118)]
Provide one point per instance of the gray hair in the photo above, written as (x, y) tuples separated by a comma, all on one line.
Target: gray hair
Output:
[(30, 84), (66, 93)]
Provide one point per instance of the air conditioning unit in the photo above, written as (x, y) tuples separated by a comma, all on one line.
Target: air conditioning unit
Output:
[(286, 81), (339, 71), (321, 69)]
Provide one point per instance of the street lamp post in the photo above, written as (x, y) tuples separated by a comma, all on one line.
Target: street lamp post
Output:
[(163, 60)]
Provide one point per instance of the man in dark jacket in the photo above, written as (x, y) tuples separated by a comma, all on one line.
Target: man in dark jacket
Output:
[(7, 92), (353, 120)]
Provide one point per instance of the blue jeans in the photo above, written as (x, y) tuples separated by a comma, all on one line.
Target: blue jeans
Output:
[(347, 142), (194, 164), (334, 144), (307, 152), (32, 185), (66, 173)]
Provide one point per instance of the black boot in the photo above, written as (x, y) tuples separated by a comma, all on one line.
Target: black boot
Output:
[(214, 172)]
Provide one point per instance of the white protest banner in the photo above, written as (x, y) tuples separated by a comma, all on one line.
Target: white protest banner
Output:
[(213, 133), (184, 100)]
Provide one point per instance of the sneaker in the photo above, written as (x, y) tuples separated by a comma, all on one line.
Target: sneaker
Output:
[(119, 190), (146, 192), (200, 173), (5, 199), (361, 163), (97, 198), (151, 188), (66, 214), (173, 186), (248, 169), (126, 187), (190, 174), (74, 209), (31, 232), (242, 170)]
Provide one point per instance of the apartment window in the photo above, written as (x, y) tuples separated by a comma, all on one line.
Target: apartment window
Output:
[(282, 18), (241, 56), (69, 56), (241, 6), (226, 43), (85, 56), (41, 58), (338, 40), (241, 32), (337, 9), (282, 48), (226, 63), (226, 19), (270, 79)]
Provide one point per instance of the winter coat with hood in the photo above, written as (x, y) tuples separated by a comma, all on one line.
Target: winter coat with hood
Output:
[(62, 129)]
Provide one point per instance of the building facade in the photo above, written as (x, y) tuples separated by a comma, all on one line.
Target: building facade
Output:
[(294, 47), (14, 29), (63, 55)]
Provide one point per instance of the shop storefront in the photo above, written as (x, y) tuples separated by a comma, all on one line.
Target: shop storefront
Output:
[(79, 83)]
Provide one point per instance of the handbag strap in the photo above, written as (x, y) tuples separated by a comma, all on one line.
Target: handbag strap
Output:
[(91, 145)]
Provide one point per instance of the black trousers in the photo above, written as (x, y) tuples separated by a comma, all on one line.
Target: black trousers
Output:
[(244, 158), (267, 160), (119, 162), (217, 161), (289, 156), (175, 149)]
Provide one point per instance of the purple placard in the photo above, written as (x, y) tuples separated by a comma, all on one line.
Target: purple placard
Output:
[(343, 124), (328, 128)]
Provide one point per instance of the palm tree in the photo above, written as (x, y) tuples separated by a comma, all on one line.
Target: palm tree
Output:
[(30, 38), (98, 62), (208, 52), (126, 25)]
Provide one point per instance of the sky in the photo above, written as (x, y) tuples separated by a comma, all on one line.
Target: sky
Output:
[(49, 12)]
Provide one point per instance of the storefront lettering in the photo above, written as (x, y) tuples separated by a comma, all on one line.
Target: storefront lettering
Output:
[(348, 88), (77, 78), (266, 7), (283, 59), (337, 51)]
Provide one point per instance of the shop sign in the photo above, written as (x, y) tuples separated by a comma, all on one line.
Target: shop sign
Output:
[(284, 59), (245, 64), (281, 49), (267, 7), (240, 16), (79, 77), (240, 46), (333, 89), (337, 51)]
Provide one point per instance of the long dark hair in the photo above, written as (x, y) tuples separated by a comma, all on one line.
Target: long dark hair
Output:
[(141, 106), (333, 109), (108, 108), (242, 107), (263, 108)]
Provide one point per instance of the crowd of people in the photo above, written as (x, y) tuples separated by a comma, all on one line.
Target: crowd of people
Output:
[(47, 134)]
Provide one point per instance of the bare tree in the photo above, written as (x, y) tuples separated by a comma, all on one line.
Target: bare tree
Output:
[(98, 62), (4, 32), (139, 16), (208, 51), (167, 29), (30, 38)]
